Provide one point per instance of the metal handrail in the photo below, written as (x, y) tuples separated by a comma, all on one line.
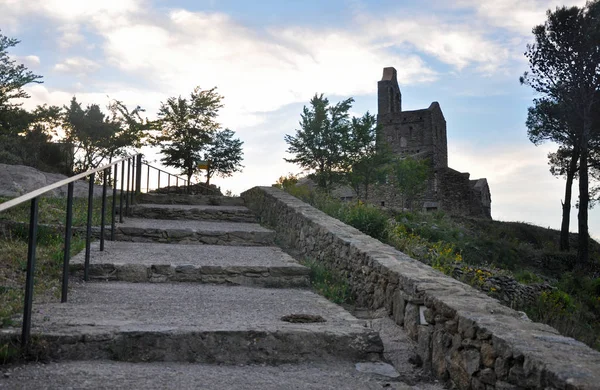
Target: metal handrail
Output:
[(177, 178), (40, 191), (132, 187)]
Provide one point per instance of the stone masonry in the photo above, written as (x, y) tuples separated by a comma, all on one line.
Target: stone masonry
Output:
[(462, 334), (422, 134)]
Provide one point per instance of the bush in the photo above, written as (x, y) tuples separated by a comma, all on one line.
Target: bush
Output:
[(367, 219)]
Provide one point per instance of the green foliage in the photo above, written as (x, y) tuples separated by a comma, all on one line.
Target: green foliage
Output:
[(329, 283), (368, 161), (366, 218), (410, 176), (13, 76), (564, 62), (321, 143), (527, 277), (96, 137), (224, 155), (187, 127), (52, 211), (286, 182)]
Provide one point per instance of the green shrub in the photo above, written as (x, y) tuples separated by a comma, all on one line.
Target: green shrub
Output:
[(366, 218), (327, 282), (527, 277)]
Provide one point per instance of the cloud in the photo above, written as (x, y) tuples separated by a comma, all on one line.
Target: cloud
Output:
[(29, 61), (515, 15), (458, 45), (255, 71), (77, 65), (70, 36)]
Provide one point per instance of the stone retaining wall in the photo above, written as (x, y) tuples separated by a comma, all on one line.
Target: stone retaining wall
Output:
[(462, 334)]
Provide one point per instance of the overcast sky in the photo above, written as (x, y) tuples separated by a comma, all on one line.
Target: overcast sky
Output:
[(268, 58)]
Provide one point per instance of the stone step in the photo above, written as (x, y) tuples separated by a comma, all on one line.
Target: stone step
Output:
[(212, 200), (183, 322), (194, 232), (193, 212), (172, 375), (156, 263)]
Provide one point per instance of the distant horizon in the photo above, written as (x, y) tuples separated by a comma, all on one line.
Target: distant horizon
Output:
[(269, 59)]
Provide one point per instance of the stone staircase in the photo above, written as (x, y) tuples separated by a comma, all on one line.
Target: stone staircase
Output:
[(194, 294)]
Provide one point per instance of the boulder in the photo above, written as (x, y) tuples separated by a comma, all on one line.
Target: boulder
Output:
[(17, 180)]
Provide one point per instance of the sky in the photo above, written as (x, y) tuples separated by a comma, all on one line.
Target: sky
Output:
[(268, 58)]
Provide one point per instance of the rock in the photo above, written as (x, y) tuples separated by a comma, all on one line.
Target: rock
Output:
[(17, 180), (378, 368)]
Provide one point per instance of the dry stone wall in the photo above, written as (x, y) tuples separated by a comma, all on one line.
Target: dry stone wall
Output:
[(462, 334)]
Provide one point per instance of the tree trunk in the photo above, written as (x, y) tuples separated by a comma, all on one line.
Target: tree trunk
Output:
[(566, 207), (584, 196)]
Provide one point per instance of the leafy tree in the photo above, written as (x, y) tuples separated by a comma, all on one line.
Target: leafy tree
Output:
[(550, 121), (564, 63), (96, 137), (321, 143), (286, 182), (224, 155), (187, 127), (13, 119), (410, 176), (13, 76), (368, 163)]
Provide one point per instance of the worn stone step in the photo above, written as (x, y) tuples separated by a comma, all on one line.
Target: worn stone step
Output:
[(142, 322), (156, 263), (212, 200), (194, 212), (193, 232), (124, 375)]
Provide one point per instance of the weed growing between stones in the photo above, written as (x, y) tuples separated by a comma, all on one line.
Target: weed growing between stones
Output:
[(329, 283)]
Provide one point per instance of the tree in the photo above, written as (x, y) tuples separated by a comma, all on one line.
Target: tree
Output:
[(224, 155), (550, 121), (13, 76), (410, 176), (95, 137), (321, 143), (565, 68), (187, 128), (368, 164), (13, 119)]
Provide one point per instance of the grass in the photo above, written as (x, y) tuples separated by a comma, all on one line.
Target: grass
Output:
[(328, 282), (49, 258), (482, 249), (53, 211)]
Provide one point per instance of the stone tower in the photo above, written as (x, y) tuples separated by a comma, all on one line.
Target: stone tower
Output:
[(421, 133)]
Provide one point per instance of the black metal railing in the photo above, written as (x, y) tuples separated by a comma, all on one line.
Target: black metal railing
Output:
[(130, 181), (129, 186), (160, 173)]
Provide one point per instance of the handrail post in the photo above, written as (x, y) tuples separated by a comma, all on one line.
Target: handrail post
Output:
[(31, 247), (127, 187), (88, 235), (158, 184), (68, 235), (103, 215), (121, 194), (114, 205), (148, 180), (138, 182), (168, 181), (133, 180)]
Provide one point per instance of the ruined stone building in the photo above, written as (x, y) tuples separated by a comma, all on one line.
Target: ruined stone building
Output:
[(422, 134)]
